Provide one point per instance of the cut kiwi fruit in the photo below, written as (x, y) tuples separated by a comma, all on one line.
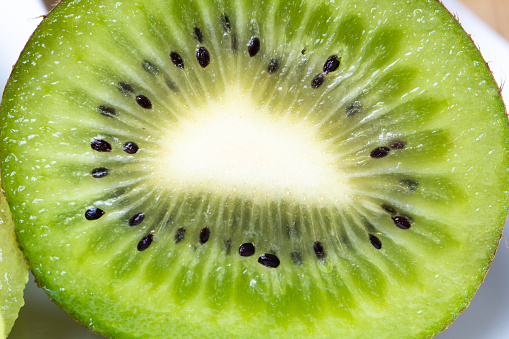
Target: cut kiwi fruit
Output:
[(221, 168), (13, 271)]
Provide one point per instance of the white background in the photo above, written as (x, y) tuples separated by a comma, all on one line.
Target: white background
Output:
[(486, 318)]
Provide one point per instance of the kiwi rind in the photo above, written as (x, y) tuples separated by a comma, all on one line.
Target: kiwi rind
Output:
[(450, 139)]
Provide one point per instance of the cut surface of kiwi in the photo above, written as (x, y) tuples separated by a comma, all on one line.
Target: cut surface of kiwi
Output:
[(222, 168), (13, 271)]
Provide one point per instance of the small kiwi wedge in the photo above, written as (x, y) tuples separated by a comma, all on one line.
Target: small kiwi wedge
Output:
[(13, 271), (230, 168)]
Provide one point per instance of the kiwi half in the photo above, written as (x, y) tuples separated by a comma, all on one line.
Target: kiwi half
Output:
[(221, 168)]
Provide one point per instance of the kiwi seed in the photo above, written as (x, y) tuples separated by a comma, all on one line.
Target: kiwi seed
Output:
[(145, 242), (388, 209), (203, 57), (273, 66), (317, 81), (180, 235), (150, 67), (247, 249), (125, 88), (380, 152), (99, 172), (144, 102), (225, 21), (402, 222), (253, 46), (397, 144), (204, 235), (107, 111), (354, 108), (130, 147), (269, 260), (198, 35), (94, 213), (101, 146), (375, 241), (177, 59), (331, 64), (136, 219), (319, 250)]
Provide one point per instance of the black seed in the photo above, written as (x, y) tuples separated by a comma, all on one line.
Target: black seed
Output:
[(303, 51), (397, 144), (180, 235), (331, 64), (144, 102), (107, 111), (203, 57), (204, 235), (389, 209), (145, 242), (149, 67), (354, 108), (125, 88), (269, 260), (130, 147), (273, 66), (94, 213), (317, 81), (297, 258), (402, 222), (177, 60), (99, 172), (228, 245), (410, 184), (380, 152), (225, 21), (375, 242), (246, 250), (136, 219), (319, 251), (198, 35), (253, 46), (101, 146)]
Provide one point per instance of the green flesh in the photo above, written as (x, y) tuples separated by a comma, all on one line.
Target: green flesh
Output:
[(256, 157), (13, 271)]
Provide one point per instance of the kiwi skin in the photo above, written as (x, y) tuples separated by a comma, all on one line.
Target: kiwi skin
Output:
[(48, 284)]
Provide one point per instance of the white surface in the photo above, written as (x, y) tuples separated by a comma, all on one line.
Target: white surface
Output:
[(486, 318)]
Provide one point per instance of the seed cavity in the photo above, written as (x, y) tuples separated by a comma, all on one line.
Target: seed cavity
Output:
[(204, 235), (177, 59), (389, 209), (397, 144), (317, 81), (198, 34), (331, 64), (375, 241), (354, 108), (125, 88), (171, 85), (228, 245), (273, 66), (319, 250), (101, 146), (269, 260), (94, 213), (203, 57), (412, 185), (380, 152), (107, 111), (130, 147), (180, 235), (225, 21), (297, 258), (145, 242), (144, 102), (136, 219), (402, 222), (99, 172), (234, 42), (247, 249), (253, 46), (150, 67)]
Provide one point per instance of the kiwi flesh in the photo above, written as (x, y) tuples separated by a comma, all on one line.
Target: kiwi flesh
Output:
[(222, 168)]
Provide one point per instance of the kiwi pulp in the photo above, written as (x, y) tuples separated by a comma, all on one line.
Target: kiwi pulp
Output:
[(222, 168)]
